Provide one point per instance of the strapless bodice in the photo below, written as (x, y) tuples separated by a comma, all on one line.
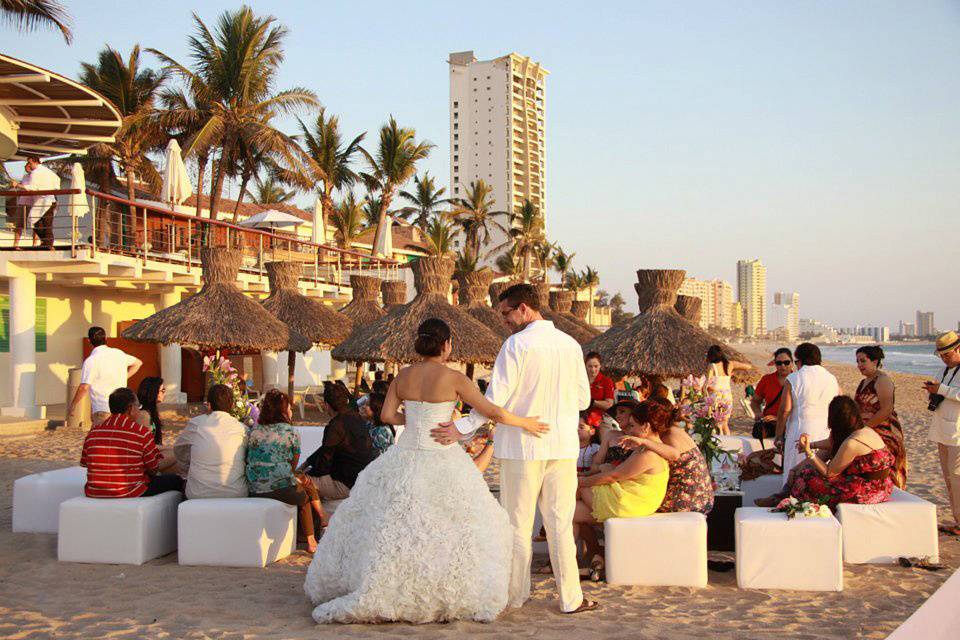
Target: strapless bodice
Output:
[(420, 418)]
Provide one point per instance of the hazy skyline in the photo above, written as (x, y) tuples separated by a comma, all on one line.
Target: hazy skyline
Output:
[(821, 137)]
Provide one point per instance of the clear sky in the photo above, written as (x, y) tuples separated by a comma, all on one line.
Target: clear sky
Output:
[(820, 136)]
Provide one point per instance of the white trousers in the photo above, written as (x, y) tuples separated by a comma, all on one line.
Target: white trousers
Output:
[(551, 484)]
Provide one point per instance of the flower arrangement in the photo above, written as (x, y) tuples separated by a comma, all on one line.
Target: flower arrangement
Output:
[(221, 371), (700, 410), (794, 509)]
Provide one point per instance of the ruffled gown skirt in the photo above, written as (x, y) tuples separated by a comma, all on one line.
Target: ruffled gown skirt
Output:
[(420, 539)]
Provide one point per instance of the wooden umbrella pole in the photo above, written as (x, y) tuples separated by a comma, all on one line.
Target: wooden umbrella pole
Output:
[(356, 379), (291, 369)]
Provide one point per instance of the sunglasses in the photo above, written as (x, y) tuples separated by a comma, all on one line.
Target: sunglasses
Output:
[(783, 363)]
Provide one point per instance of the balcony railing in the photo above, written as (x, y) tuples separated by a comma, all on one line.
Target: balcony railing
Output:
[(152, 233)]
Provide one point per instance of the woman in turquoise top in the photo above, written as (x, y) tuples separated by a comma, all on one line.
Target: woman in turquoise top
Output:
[(273, 450)]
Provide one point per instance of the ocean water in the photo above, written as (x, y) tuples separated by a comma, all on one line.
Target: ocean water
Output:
[(916, 358)]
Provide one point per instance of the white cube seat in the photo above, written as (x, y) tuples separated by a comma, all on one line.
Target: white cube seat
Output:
[(37, 498), (310, 440), (236, 532), (664, 549), (118, 530), (760, 487), (904, 526), (775, 552)]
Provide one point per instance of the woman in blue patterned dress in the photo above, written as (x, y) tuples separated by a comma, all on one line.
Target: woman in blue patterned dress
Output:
[(273, 451)]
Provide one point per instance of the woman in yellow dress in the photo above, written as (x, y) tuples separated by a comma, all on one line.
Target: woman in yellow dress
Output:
[(633, 489)]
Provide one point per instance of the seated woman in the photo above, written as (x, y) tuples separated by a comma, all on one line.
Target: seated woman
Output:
[(382, 434), (633, 489), (151, 393), (273, 450), (690, 487), (860, 467), (611, 452)]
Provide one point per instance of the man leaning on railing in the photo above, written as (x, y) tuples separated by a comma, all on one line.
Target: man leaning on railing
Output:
[(36, 211)]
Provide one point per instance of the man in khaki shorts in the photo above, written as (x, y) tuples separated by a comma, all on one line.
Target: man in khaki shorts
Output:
[(104, 371)]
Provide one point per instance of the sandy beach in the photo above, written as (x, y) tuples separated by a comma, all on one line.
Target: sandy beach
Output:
[(41, 598)]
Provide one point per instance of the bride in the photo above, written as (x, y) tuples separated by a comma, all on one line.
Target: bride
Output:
[(420, 539)]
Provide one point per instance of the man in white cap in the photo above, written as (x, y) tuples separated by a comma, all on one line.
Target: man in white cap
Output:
[(36, 212), (945, 422)]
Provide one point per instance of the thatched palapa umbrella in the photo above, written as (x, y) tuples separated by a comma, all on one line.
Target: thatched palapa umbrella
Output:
[(689, 307), (392, 337), (658, 341), (473, 289), (394, 293), (562, 302), (566, 325), (495, 289), (219, 316), (311, 318), (363, 309), (580, 309)]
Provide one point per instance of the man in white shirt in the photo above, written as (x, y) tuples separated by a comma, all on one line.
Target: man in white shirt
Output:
[(944, 402), (212, 450), (538, 372), (104, 371), (36, 212)]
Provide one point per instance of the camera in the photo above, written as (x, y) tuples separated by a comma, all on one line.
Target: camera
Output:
[(934, 402)]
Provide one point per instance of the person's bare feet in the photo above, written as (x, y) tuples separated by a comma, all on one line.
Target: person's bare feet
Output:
[(311, 544)]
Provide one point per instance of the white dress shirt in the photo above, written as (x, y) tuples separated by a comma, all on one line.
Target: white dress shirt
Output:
[(213, 448), (538, 372), (945, 421), (105, 370), (40, 179)]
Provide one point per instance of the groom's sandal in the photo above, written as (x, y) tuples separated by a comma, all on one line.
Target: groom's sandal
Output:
[(586, 605)]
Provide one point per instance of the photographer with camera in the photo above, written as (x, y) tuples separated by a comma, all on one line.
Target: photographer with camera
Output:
[(945, 422)]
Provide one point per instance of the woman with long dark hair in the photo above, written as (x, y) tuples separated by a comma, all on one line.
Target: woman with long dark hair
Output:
[(151, 393), (875, 397)]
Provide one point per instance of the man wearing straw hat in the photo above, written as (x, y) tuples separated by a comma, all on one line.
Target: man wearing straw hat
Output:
[(945, 421)]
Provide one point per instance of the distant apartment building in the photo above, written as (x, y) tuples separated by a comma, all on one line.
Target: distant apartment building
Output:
[(717, 297), (786, 314), (497, 127), (925, 326), (736, 317), (875, 334), (752, 295), (810, 328)]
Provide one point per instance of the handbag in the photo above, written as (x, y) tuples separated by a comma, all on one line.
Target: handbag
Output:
[(759, 463), (763, 429)]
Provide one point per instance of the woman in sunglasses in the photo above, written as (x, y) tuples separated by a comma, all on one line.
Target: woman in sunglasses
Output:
[(766, 400)]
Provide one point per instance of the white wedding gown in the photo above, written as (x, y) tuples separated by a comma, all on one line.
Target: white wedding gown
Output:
[(420, 539)]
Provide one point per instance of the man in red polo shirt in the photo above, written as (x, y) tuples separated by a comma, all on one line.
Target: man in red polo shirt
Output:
[(121, 457), (601, 390)]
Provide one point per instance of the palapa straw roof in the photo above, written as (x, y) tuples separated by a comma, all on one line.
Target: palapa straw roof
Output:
[(689, 307), (363, 308), (219, 316), (562, 302), (658, 341), (580, 309), (306, 316), (473, 289), (394, 293), (392, 337), (496, 288), (567, 325)]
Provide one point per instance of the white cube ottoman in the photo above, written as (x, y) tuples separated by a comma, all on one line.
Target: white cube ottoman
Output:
[(760, 487), (37, 498), (774, 552), (880, 533), (236, 532), (665, 549), (118, 531)]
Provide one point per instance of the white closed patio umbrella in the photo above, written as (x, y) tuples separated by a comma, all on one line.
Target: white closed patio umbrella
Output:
[(319, 235), (383, 245), (176, 184), (271, 219), (75, 205)]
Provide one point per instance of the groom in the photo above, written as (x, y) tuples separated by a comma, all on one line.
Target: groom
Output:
[(539, 372)]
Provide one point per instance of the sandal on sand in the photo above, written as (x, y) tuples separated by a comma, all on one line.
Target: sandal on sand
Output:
[(920, 563), (596, 570), (586, 605)]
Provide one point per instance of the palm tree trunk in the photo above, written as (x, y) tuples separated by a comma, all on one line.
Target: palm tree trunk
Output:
[(219, 173), (326, 206), (387, 196), (201, 169), (131, 194), (526, 264), (244, 180)]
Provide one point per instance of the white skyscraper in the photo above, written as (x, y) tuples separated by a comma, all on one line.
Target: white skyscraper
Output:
[(497, 125), (752, 295), (787, 308), (717, 297)]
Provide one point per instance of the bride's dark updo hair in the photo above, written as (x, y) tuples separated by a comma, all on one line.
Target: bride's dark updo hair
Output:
[(431, 336)]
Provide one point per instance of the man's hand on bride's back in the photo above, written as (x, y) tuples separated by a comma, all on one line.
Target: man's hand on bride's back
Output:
[(445, 433), (534, 427)]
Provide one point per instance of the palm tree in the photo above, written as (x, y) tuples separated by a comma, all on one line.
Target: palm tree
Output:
[(527, 231), (134, 91), (439, 236), (269, 191), (347, 221), (326, 159), (395, 162), (591, 278), (544, 254), (574, 281), (238, 63), (466, 262), (186, 114), (510, 263), (475, 216), (426, 199), (30, 14), (563, 263)]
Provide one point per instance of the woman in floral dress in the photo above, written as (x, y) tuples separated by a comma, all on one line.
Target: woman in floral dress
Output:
[(875, 397), (860, 467), (690, 487)]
